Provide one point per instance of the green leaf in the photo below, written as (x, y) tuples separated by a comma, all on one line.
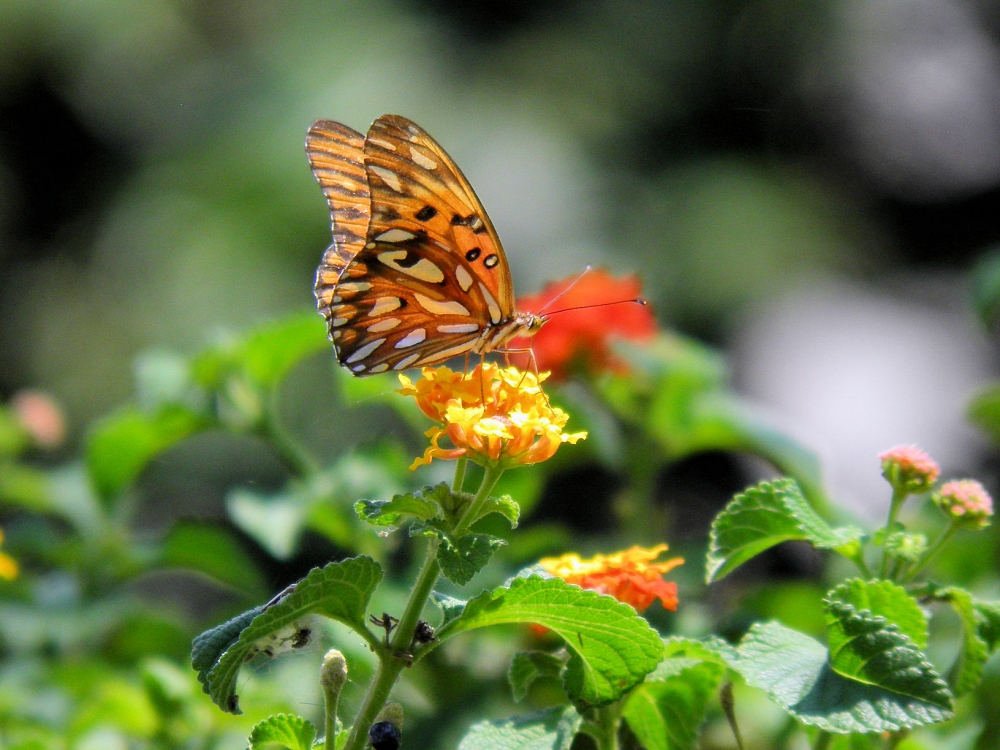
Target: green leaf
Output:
[(505, 506), (988, 617), (612, 648), (120, 446), (25, 487), (340, 591), (268, 353), (761, 517), (794, 670), (424, 505), (283, 730), (460, 559), (967, 670), (451, 608), (529, 666), (885, 599), (214, 551), (984, 412), (667, 710), (870, 649), (552, 729), (274, 521), (208, 648)]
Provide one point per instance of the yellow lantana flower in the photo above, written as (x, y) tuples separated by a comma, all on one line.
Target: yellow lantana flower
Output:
[(631, 576), (8, 566), (493, 415)]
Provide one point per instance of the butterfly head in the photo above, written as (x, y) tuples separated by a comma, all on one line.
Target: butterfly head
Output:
[(529, 323)]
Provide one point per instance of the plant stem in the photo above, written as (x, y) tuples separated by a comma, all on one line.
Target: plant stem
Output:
[(385, 677), (898, 498), (471, 515), (459, 480), (729, 709), (390, 665), (608, 719), (823, 740), (931, 551), (331, 698), (298, 459)]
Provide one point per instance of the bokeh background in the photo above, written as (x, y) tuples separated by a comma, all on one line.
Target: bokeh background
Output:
[(807, 186)]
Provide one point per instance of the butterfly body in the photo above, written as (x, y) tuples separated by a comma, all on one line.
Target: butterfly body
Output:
[(416, 273)]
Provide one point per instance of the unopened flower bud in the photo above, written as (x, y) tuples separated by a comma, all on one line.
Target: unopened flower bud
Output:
[(966, 502), (333, 673), (909, 469)]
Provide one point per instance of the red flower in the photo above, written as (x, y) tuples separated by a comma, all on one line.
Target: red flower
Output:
[(584, 336)]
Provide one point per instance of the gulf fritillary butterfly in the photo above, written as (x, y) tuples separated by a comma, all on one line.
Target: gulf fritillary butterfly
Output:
[(416, 273)]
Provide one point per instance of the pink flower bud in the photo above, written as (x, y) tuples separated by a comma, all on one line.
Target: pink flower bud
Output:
[(909, 469), (41, 417), (965, 501)]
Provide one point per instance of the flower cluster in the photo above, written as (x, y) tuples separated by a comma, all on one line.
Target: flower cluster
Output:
[(631, 576), (909, 469), (966, 502), (583, 336), (493, 415)]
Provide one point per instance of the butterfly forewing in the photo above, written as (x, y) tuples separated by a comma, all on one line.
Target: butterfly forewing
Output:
[(430, 277)]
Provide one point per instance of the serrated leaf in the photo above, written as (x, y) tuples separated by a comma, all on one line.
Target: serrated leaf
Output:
[(761, 517), (393, 512), (885, 599), (340, 591), (870, 649), (794, 670), (283, 730), (667, 710), (214, 551), (120, 446), (528, 666), (208, 647), (460, 559), (505, 506), (552, 729), (612, 647)]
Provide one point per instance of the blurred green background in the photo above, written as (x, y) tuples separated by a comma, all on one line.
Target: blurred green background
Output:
[(806, 185)]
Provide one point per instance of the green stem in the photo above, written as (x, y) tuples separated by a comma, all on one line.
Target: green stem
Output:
[(895, 738), (898, 498), (331, 698), (460, 467), (729, 709), (386, 675), (823, 740), (390, 665), (608, 720), (299, 460), (471, 515), (931, 551)]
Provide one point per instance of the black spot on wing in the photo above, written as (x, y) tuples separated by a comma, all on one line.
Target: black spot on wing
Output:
[(491, 260), (472, 254), (426, 213)]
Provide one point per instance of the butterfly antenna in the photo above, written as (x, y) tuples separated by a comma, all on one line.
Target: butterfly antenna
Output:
[(572, 284), (636, 300)]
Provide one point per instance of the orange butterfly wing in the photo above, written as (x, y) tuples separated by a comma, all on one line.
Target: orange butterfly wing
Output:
[(430, 278)]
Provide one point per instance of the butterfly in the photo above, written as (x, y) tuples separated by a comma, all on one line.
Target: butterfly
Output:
[(416, 273)]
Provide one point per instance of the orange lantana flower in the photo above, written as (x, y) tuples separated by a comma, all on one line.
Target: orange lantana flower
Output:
[(585, 336), (631, 576), (493, 415)]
